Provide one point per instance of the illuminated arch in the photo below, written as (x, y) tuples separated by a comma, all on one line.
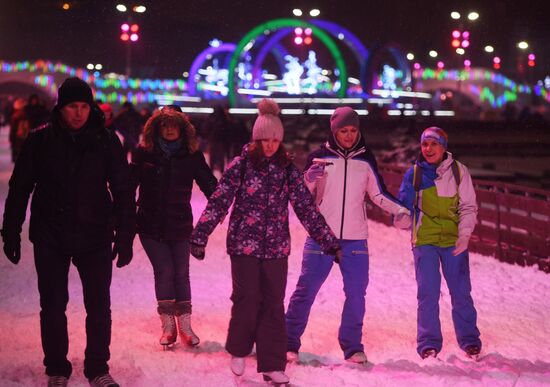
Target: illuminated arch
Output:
[(373, 60), (272, 45), (349, 38), (282, 23), (201, 58)]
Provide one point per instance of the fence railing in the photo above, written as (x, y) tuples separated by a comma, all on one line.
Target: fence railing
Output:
[(513, 222)]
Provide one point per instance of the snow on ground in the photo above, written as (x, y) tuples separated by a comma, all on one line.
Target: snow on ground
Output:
[(512, 303)]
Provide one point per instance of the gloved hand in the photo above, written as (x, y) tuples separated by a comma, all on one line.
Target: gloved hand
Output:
[(461, 245), (316, 171), (124, 253), (337, 252), (403, 219), (197, 251), (12, 246)]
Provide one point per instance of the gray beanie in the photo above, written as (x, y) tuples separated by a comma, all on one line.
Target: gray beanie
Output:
[(343, 116), (268, 124)]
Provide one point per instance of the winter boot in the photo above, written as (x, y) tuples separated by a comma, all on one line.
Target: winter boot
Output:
[(183, 316), (105, 380), (57, 381), (166, 310)]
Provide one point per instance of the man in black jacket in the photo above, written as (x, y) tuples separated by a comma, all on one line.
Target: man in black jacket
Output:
[(82, 203)]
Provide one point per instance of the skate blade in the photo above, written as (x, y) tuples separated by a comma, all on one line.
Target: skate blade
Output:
[(168, 347)]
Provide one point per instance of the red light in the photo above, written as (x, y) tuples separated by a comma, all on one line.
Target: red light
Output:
[(496, 66), (134, 28), (531, 63), (455, 43), (307, 40), (124, 37)]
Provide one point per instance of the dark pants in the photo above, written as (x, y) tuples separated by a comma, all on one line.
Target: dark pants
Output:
[(257, 314), (456, 269), (95, 270), (170, 260)]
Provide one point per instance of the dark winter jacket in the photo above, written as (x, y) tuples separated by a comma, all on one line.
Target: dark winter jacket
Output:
[(258, 225), (81, 187), (165, 185)]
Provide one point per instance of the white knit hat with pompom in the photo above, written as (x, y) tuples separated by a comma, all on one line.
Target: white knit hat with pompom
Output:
[(268, 124)]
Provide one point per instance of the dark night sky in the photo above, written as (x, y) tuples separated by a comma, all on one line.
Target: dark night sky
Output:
[(173, 32)]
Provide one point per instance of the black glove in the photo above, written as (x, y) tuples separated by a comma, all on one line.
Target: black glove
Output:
[(124, 253), (197, 251), (12, 246), (337, 252)]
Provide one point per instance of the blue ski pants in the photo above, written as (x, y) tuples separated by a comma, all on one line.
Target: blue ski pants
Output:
[(456, 270), (316, 267)]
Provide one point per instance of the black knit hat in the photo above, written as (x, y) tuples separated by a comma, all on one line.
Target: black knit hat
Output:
[(74, 90)]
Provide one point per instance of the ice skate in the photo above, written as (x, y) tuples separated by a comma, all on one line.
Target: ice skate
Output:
[(473, 352), (292, 357), (169, 331), (429, 353), (278, 378), (187, 335), (358, 358), (237, 365)]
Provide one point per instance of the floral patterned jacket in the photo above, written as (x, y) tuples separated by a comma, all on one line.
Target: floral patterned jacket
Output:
[(258, 225)]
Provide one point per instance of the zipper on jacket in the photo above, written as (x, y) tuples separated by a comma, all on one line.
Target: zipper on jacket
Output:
[(344, 198)]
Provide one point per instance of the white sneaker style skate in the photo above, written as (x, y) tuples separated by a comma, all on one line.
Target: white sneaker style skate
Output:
[(357, 358), (276, 377), (237, 365)]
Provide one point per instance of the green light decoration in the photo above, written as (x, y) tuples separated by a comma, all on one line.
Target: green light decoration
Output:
[(278, 24)]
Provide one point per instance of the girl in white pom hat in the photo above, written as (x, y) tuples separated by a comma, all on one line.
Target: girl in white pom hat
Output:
[(260, 183)]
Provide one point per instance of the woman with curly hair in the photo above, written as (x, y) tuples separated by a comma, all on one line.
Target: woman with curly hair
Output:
[(164, 166), (260, 184)]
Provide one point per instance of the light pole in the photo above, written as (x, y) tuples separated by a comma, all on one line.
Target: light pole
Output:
[(460, 37), (129, 33)]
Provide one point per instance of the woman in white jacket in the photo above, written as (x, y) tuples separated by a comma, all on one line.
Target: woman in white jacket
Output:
[(339, 175)]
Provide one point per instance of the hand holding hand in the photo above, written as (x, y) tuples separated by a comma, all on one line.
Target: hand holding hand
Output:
[(461, 245), (12, 247), (316, 171), (124, 253), (403, 219), (336, 252), (197, 251)]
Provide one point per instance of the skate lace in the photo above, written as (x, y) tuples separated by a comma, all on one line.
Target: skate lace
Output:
[(168, 325), (57, 381), (104, 381)]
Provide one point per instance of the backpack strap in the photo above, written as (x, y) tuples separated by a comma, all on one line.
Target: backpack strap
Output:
[(417, 180), (456, 173)]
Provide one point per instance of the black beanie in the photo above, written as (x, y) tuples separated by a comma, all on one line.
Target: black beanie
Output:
[(74, 90)]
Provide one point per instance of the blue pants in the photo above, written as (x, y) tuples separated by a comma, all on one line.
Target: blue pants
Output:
[(316, 267), (170, 260), (456, 271)]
